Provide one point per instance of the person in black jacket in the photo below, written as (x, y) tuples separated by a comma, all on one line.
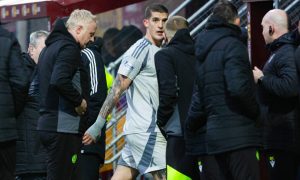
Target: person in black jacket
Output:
[(64, 93), (297, 39), (278, 94), (31, 156), (175, 87), (14, 84), (93, 155), (224, 108)]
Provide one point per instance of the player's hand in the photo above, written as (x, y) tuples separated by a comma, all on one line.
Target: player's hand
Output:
[(93, 133), (87, 139)]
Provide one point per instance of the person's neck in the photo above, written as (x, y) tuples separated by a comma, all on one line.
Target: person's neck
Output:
[(156, 43), (279, 34), (72, 32)]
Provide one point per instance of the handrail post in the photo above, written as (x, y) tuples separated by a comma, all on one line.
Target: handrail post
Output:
[(114, 135), (203, 8), (291, 5), (276, 4), (180, 7)]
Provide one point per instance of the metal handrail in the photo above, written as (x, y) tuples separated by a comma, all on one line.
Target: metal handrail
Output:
[(114, 64), (112, 143), (242, 9), (276, 4), (199, 26), (203, 8), (115, 157), (291, 5), (115, 119), (180, 7)]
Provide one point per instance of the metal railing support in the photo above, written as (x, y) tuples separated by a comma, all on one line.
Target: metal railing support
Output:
[(203, 8), (114, 141), (291, 5), (180, 7), (113, 159), (196, 29), (114, 64), (276, 4), (114, 134)]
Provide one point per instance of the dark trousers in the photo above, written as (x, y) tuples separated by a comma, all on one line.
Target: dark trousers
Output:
[(32, 176), (62, 152), (89, 165), (178, 160), (7, 160), (240, 164), (281, 164), (209, 168), (92, 157)]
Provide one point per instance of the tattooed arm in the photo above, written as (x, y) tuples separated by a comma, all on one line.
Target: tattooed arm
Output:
[(121, 83), (159, 175)]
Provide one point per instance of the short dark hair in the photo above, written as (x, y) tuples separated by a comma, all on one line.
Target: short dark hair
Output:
[(154, 8), (225, 10), (127, 37), (110, 34)]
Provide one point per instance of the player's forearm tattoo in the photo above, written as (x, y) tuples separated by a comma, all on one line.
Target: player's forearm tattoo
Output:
[(112, 98), (159, 175)]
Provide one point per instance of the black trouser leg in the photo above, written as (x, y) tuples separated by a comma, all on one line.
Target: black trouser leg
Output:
[(7, 160), (177, 159), (239, 164), (62, 154), (281, 164)]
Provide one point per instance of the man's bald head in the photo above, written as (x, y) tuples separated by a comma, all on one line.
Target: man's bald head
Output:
[(275, 24), (277, 17)]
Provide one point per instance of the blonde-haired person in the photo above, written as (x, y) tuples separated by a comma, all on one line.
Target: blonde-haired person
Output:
[(175, 86), (82, 25), (63, 92)]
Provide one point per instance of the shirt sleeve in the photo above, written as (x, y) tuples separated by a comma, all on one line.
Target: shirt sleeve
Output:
[(130, 67)]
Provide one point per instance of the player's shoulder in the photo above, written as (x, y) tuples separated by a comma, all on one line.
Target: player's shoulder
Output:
[(138, 47)]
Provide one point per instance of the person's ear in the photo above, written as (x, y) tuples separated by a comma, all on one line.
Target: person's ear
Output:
[(79, 29), (271, 31), (237, 21), (30, 49), (146, 23)]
